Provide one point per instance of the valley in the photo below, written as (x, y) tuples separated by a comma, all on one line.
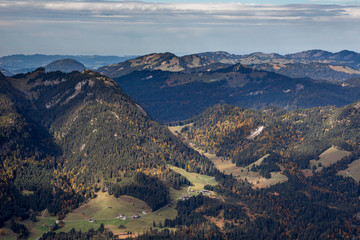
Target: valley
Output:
[(245, 173), (241, 152)]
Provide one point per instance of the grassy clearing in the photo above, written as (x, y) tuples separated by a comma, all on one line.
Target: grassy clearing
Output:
[(105, 209), (36, 229), (198, 180), (330, 156), (177, 129), (98, 209), (352, 171), (105, 206), (26, 192), (243, 173)]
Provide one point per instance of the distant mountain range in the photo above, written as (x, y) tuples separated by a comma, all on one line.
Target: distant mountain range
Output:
[(345, 57), (178, 95), (26, 63), (314, 70), (330, 66), (315, 64), (160, 61), (5, 72)]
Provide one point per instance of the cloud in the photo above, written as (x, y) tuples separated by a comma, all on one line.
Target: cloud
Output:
[(156, 12), (135, 27)]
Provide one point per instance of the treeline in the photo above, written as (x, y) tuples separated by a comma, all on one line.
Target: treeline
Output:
[(267, 166), (149, 189), (20, 229), (192, 211), (100, 233), (174, 179)]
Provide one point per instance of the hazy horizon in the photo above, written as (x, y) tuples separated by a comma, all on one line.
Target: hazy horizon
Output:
[(177, 54)]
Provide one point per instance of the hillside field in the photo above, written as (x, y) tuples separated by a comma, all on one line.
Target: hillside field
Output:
[(352, 171), (106, 208), (328, 157)]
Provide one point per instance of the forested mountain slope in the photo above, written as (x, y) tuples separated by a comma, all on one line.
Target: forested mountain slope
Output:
[(169, 96), (64, 132), (318, 205), (301, 135)]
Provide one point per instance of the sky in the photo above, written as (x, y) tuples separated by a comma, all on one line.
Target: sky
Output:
[(79, 27)]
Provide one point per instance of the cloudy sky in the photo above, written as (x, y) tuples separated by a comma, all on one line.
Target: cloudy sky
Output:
[(119, 28)]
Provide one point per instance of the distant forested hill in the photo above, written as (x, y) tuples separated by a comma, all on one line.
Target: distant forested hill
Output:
[(345, 57), (176, 96)]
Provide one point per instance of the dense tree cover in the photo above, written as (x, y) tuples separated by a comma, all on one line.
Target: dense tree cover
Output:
[(20, 229), (24, 160), (100, 233), (193, 210), (267, 166), (296, 136), (102, 131), (165, 103), (174, 179), (149, 189), (302, 208), (322, 206)]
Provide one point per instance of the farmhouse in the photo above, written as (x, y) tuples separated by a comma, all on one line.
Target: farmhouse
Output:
[(92, 220), (204, 191), (185, 197)]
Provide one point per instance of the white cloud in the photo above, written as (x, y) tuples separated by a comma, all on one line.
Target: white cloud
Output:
[(230, 11), (142, 26)]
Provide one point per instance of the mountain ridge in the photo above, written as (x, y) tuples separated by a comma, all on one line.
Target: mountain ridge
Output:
[(157, 61), (345, 57), (176, 96), (75, 130)]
